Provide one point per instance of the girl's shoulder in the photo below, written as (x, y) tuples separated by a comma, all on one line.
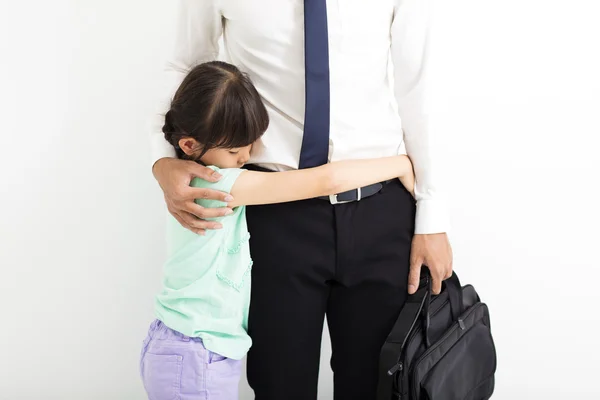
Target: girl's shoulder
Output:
[(228, 178)]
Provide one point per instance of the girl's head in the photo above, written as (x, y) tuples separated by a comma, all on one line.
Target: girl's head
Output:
[(215, 116)]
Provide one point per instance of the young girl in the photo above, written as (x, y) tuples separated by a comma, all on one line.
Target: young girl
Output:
[(193, 349)]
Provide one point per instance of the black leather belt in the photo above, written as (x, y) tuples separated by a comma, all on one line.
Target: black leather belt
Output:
[(355, 194)]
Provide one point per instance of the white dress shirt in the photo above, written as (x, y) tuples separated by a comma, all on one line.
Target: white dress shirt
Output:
[(265, 38)]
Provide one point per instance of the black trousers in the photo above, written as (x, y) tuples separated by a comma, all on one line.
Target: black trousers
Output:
[(348, 262)]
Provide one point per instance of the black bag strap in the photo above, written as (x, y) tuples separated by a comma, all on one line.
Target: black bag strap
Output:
[(455, 295), (393, 347), (426, 317)]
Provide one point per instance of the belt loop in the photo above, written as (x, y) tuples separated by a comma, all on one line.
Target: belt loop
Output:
[(358, 194), (185, 338)]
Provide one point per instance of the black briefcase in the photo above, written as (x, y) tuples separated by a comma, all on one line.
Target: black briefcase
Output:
[(440, 348)]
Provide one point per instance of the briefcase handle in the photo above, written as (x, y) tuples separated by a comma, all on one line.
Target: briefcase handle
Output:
[(454, 289)]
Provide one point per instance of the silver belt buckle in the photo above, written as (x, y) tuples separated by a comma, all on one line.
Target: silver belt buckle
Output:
[(334, 200)]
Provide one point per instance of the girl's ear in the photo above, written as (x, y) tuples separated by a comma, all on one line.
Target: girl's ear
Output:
[(189, 146)]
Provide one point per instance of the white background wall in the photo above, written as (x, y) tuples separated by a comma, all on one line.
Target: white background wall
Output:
[(81, 220)]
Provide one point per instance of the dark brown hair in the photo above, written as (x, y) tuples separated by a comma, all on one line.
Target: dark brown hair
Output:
[(218, 106)]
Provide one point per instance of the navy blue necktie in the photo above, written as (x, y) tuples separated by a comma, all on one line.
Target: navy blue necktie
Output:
[(315, 141)]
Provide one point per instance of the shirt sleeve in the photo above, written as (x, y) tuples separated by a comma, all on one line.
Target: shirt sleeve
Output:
[(409, 50), (225, 184), (196, 39)]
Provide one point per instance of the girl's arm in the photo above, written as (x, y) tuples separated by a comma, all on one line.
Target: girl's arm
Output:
[(253, 188)]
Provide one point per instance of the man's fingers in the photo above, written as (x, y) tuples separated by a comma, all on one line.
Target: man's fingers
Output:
[(438, 274), (436, 285), (174, 177), (184, 223), (209, 194), (189, 221), (180, 220), (202, 213), (414, 276), (434, 251), (448, 271), (202, 172), (199, 224)]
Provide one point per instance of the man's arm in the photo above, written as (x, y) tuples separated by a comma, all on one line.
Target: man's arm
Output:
[(196, 39), (196, 34), (410, 34)]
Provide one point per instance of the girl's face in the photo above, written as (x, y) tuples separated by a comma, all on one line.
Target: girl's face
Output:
[(227, 158), (222, 158)]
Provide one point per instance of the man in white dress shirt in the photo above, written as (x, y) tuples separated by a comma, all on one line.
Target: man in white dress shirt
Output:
[(347, 258)]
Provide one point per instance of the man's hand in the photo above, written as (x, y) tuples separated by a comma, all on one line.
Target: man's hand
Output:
[(174, 176), (435, 252)]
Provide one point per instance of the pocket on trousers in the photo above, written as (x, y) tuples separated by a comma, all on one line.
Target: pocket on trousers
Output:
[(161, 375), (222, 362), (214, 358)]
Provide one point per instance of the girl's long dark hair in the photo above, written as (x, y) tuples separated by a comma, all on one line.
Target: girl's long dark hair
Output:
[(218, 106)]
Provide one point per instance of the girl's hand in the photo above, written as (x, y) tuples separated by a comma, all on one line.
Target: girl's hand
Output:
[(174, 177)]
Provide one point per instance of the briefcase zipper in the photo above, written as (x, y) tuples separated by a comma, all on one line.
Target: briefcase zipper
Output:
[(397, 367), (458, 324)]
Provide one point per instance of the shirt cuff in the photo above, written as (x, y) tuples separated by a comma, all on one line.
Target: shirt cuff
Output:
[(432, 217)]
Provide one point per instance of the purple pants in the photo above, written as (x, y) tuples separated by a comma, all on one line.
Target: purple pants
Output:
[(176, 367)]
